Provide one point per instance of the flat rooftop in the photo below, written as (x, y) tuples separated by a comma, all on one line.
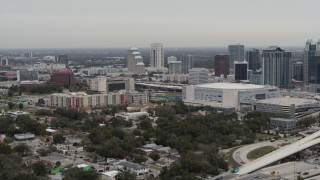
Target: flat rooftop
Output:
[(286, 101), (235, 86)]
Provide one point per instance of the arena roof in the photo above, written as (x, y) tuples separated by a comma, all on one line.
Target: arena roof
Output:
[(234, 86)]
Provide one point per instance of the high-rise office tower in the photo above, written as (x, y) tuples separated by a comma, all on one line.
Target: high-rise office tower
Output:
[(171, 58), (253, 58), (198, 76), (297, 71), (187, 63), (236, 53), (135, 61), (311, 71), (240, 70), (276, 67), (175, 67), (63, 59), (156, 56), (221, 65)]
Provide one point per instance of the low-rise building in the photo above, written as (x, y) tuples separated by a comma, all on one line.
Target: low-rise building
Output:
[(134, 97), (294, 107), (134, 168), (55, 157), (22, 137), (131, 115), (283, 123), (109, 175)]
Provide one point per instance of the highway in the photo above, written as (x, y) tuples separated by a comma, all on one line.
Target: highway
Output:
[(280, 153), (240, 155)]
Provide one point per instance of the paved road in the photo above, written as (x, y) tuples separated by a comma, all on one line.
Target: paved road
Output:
[(240, 155)]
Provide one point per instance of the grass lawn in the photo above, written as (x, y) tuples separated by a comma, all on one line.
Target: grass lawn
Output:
[(260, 152), (263, 136)]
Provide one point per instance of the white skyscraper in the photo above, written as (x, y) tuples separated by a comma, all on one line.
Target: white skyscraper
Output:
[(135, 61), (156, 56)]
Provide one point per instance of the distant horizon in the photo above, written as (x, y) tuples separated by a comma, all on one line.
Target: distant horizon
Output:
[(182, 47), (36, 24)]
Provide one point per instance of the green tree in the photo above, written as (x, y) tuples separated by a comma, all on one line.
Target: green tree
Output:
[(39, 168), (43, 152), (58, 163), (25, 176), (5, 149), (11, 105), (41, 102), (58, 138), (78, 173), (43, 112), (145, 123), (139, 159), (125, 175), (21, 149), (154, 155), (21, 106)]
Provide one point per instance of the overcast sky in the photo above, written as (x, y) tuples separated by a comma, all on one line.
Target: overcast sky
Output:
[(175, 23)]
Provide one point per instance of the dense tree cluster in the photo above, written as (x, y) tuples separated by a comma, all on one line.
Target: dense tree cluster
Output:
[(114, 142)]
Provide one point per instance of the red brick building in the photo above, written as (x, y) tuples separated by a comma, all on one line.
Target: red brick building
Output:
[(221, 65), (63, 78)]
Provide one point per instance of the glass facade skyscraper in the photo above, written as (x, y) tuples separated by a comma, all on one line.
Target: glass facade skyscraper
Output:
[(236, 53), (276, 67), (311, 71)]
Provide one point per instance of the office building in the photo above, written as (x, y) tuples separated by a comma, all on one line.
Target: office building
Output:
[(98, 83), (27, 55), (227, 95), (104, 84), (236, 53), (198, 76), (4, 61), (311, 71), (63, 59), (180, 78), (157, 56), (283, 123), (240, 70), (171, 59), (116, 84), (221, 65), (255, 77), (253, 58), (134, 97), (175, 67), (27, 75), (297, 71), (135, 61), (294, 107), (276, 67), (63, 78), (187, 63)]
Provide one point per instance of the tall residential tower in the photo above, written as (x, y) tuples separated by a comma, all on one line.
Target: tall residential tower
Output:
[(156, 56), (135, 61)]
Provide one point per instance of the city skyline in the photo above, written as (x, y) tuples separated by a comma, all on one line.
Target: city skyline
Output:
[(83, 24)]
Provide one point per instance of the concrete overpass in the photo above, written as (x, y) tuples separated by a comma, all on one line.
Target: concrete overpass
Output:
[(162, 86), (280, 153)]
